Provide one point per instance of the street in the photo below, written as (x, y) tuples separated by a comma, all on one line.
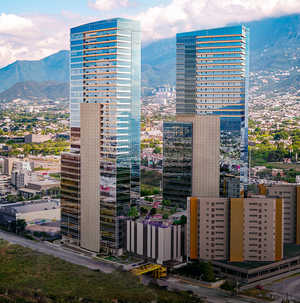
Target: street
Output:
[(288, 288), (213, 295), (51, 249)]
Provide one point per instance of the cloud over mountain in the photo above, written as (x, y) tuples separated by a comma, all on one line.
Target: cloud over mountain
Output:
[(34, 36)]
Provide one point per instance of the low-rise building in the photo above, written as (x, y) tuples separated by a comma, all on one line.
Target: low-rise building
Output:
[(5, 180), (159, 241), (35, 138), (31, 211), (21, 178), (23, 165), (43, 185)]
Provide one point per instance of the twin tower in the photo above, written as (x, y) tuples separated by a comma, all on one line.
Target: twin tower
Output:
[(205, 151)]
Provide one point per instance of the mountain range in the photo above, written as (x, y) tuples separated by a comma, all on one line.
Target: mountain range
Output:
[(274, 47), (33, 90)]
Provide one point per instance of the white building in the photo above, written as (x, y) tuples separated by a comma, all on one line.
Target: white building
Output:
[(21, 178)]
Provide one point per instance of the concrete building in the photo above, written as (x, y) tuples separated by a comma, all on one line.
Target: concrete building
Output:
[(8, 165), (35, 138), (5, 180), (235, 229), (22, 165), (43, 185), (21, 178), (105, 131), (30, 211), (157, 241), (290, 193)]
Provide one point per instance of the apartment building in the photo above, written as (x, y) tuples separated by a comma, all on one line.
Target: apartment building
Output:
[(290, 193), (235, 229)]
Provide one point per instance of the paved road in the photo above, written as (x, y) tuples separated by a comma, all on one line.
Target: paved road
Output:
[(212, 295), (51, 249), (286, 288)]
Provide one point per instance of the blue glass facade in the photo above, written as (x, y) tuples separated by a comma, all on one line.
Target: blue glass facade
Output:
[(177, 162), (106, 68), (212, 78)]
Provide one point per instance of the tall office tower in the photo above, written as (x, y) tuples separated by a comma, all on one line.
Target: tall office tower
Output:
[(212, 79), (103, 183)]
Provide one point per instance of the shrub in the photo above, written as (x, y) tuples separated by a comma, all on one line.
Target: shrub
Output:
[(227, 286)]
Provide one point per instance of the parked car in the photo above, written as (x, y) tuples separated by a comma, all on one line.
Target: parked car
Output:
[(258, 286)]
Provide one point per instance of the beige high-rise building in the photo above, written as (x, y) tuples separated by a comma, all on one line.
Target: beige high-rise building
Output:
[(235, 229)]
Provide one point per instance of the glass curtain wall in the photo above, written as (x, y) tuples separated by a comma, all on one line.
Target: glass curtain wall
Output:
[(215, 63), (177, 162), (106, 69)]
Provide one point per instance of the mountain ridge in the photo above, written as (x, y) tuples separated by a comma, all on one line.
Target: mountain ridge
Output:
[(274, 46), (32, 90)]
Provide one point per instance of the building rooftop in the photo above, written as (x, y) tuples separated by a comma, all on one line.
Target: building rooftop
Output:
[(45, 183), (31, 206)]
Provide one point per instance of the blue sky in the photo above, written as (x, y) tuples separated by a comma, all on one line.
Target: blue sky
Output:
[(33, 29)]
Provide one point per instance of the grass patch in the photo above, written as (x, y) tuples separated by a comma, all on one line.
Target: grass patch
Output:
[(159, 211), (55, 175), (151, 177), (257, 293), (29, 275), (284, 165)]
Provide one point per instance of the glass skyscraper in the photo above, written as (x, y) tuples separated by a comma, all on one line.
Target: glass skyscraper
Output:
[(212, 79), (105, 122)]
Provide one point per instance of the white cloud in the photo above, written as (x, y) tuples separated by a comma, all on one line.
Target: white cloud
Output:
[(14, 25), (34, 36), (109, 5), (186, 15)]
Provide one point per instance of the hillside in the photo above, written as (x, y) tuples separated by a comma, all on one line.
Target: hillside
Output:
[(51, 90), (54, 67)]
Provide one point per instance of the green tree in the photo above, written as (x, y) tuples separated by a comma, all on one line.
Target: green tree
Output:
[(183, 219), (18, 225), (165, 216), (133, 212), (11, 198), (157, 150), (208, 274), (153, 211)]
